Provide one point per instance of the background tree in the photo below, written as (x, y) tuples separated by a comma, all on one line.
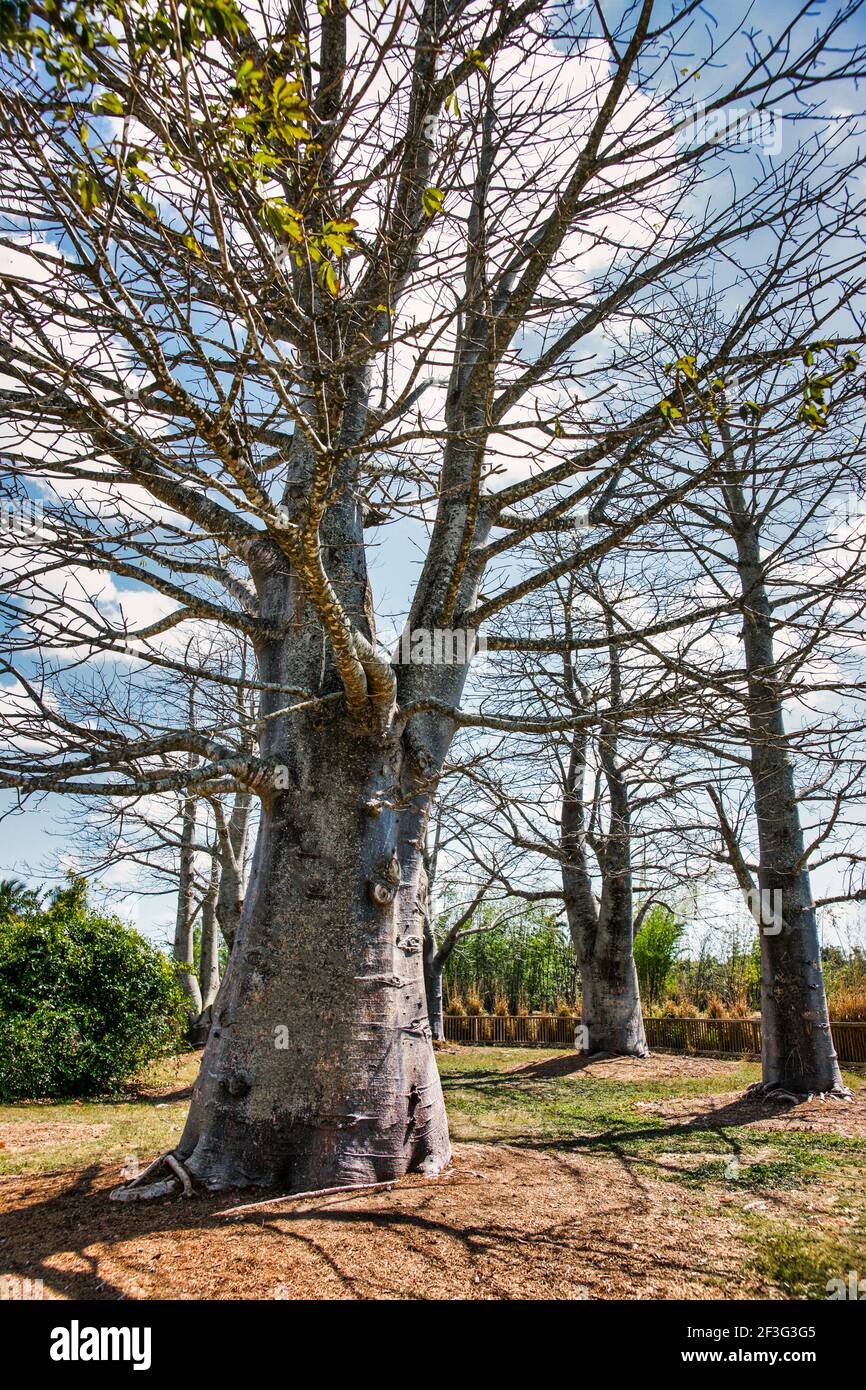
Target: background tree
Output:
[(657, 943), (795, 588)]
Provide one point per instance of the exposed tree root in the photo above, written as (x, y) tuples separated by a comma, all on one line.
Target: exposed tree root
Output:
[(150, 1193), (350, 1190), (776, 1091), (602, 1054), (139, 1191), (180, 1172)]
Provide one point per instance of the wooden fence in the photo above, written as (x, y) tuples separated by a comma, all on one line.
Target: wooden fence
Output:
[(735, 1037), (730, 1035), (545, 1030)]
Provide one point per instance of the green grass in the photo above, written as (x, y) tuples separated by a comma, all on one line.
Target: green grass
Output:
[(140, 1125), (483, 1098), (489, 1102), (800, 1262), (590, 1115), (757, 1175)]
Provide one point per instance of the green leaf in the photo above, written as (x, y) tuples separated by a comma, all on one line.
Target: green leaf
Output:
[(87, 191), (281, 219), (143, 205), (327, 277), (337, 237), (108, 104), (687, 366), (432, 200)]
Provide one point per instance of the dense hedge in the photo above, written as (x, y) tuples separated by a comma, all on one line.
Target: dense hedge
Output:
[(84, 1001)]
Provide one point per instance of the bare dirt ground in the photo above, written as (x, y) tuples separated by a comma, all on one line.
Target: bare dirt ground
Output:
[(502, 1223), (845, 1118), (537, 1216)]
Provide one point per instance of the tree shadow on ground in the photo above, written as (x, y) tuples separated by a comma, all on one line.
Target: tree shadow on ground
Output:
[(568, 1065), (634, 1147), (78, 1220)]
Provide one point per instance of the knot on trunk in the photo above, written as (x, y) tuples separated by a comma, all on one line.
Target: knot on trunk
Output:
[(385, 881), (423, 760)]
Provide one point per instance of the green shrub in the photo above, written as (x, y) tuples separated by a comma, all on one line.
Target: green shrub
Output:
[(85, 1001)]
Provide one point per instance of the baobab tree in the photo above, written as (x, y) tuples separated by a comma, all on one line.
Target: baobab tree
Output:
[(799, 585), (576, 809), (243, 251)]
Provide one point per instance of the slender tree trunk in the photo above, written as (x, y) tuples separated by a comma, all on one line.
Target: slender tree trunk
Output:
[(184, 950), (434, 962), (209, 961), (233, 849), (433, 967), (797, 1051), (319, 1068), (602, 936)]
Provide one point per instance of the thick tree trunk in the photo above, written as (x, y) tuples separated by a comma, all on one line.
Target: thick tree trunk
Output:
[(797, 1050), (319, 1069), (184, 946), (611, 1011), (602, 936)]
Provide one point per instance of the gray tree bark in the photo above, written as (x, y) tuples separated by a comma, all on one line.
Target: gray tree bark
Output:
[(433, 968), (184, 949), (602, 935), (434, 961), (319, 1070), (233, 848), (209, 963), (797, 1051)]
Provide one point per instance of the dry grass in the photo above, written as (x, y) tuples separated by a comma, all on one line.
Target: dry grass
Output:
[(848, 1004)]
